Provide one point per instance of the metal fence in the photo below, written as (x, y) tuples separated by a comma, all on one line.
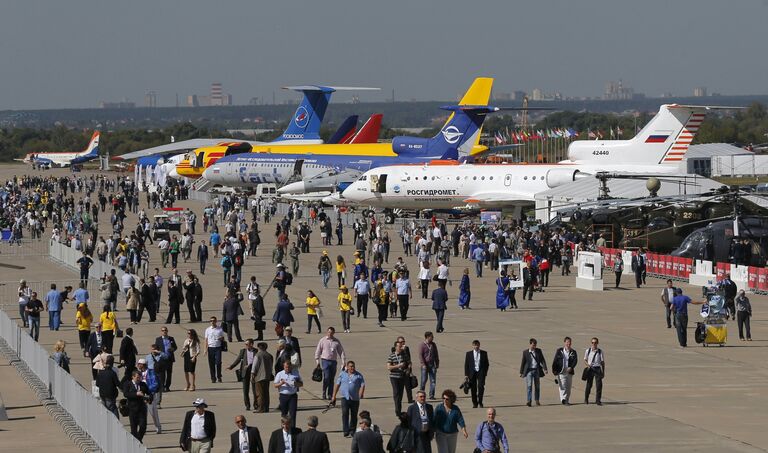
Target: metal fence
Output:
[(29, 247), (89, 414)]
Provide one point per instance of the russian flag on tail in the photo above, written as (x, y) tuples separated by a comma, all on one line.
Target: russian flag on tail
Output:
[(657, 138)]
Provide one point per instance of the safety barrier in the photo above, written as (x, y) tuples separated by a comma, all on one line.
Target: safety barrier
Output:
[(68, 257), (698, 273), (90, 416)]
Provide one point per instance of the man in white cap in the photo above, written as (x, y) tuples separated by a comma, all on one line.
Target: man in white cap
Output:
[(280, 281), (199, 429)]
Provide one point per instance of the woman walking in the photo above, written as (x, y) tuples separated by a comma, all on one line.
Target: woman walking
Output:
[(465, 294), (341, 270), (25, 293), (133, 297), (502, 291), (313, 305), (60, 355), (190, 350), (109, 327), (345, 307), (448, 422), (424, 275), (618, 268), (83, 321)]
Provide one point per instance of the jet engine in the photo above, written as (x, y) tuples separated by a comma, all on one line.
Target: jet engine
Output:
[(558, 177)]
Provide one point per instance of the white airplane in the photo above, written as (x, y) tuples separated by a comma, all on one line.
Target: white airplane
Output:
[(65, 159), (656, 149)]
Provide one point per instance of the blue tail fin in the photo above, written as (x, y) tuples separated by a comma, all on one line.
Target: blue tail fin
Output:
[(305, 123), (345, 131)]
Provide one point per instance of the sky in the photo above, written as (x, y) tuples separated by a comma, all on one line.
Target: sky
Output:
[(77, 53)]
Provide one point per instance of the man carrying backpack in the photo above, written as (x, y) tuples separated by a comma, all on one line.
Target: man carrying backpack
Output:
[(150, 378)]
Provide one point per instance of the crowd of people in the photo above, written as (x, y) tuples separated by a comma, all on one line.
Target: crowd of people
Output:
[(232, 226)]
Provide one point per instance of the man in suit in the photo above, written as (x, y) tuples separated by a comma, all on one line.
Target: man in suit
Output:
[(246, 439), (283, 437), (198, 429), (245, 360), (293, 342), (421, 415), (261, 376), (562, 366), (475, 371), (367, 440), (128, 353), (638, 266), (667, 294), (167, 346), (93, 346), (532, 367), (108, 385), (137, 394), (312, 440)]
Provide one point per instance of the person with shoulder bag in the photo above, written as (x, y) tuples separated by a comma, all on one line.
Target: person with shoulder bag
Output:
[(594, 359), (618, 268)]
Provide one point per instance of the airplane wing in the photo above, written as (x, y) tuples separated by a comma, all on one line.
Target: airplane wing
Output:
[(498, 198), (179, 147)]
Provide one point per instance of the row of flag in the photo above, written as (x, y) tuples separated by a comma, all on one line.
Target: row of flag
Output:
[(506, 136)]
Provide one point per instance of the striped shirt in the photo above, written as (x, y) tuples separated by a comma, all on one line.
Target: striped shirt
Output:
[(396, 359)]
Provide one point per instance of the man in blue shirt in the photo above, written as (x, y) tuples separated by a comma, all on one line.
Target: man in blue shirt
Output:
[(81, 295), (489, 434), (478, 256), (352, 386), (53, 305), (362, 293), (680, 308)]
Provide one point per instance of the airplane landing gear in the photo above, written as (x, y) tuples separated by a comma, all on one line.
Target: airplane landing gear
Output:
[(389, 217)]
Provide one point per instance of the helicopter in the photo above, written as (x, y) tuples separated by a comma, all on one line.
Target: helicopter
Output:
[(656, 223)]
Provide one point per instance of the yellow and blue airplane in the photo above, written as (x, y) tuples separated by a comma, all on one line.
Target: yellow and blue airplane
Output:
[(322, 166)]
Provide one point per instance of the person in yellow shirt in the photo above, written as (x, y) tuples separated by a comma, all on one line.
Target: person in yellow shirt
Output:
[(313, 307), (341, 270), (381, 300), (83, 321), (108, 322), (345, 306)]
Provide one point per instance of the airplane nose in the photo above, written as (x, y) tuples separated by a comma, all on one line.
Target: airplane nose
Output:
[(333, 199), (294, 187), (212, 173)]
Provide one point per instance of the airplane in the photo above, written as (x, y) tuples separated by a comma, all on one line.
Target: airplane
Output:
[(304, 127), (458, 137), (196, 161), (65, 159), (656, 149)]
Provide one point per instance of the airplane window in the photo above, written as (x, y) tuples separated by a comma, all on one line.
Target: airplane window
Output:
[(483, 178), (433, 178), (533, 177), (525, 178), (474, 178), (409, 178), (491, 178), (458, 177), (425, 178)]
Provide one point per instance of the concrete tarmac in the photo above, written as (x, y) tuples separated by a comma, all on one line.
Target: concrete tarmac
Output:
[(657, 396)]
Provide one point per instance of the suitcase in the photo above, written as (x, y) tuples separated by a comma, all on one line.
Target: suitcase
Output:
[(715, 334)]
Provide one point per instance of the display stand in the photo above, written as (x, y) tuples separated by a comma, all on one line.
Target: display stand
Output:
[(590, 276)]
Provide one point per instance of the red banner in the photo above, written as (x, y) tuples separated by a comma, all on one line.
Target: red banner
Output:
[(762, 278), (687, 267), (721, 270), (668, 265), (752, 277)]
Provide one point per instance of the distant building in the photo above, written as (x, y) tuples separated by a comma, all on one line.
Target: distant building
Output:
[(217, 97), (700, 92), (502, 96), (616, 91), (124, 104), (537, 95), (518, 95), (150, 99), (192, 101)]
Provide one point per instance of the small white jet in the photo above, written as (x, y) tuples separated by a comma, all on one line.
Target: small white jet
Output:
[(65, 159), (657, 149)]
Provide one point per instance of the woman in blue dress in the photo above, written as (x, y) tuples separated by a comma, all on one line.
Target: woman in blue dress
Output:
[(502, 291), (464, 292)]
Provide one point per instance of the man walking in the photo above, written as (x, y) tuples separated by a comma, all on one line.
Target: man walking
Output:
[(430, 362), (246, 439), (421, 415), (288, 382), (362, 292), (490, 436), (261, 376), (367, 440), (680, 307), (594, 359), (729, 293), (283, 440), (53, 304), (351, 384), (33, 309), (245, 360), (137, 394), (439, 305), (638, 266), (562, 366), (312, 440), (328, 351), (214, 337), (108, 385), (199, 429), (167, 346), (476, 366), (667, 294), (532, 368)]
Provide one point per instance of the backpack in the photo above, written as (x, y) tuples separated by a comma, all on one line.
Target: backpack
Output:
[(152, 384), (238, 260), (288, 278), (226, 261)]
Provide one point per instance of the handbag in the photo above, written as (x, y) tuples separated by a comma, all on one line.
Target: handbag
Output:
[(585, 374), (259, 325), (119, 333), (239, 375), (317, 374), (224, 346), (122, 407), (413, 382), (95, 390)]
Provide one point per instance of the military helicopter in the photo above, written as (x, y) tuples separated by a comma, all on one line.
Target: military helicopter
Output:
[(656, 223)]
